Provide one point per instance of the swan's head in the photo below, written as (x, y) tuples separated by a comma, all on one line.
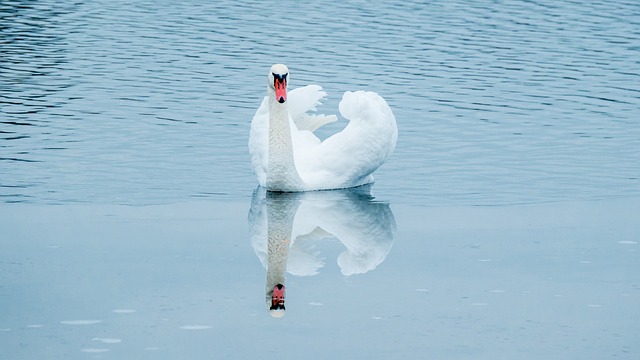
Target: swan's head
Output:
[(277, 301), (278, 78)]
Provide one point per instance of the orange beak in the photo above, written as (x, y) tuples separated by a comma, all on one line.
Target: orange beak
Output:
[(280, 84)]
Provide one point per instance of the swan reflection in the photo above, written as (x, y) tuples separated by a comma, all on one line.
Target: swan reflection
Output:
[(285, 229)]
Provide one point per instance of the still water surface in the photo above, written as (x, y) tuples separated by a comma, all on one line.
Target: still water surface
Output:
[(529, 107), (150, 102)]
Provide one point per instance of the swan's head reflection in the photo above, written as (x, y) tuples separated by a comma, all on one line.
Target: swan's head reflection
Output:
[(286, 229)]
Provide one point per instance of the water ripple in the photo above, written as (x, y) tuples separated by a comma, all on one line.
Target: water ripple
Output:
[(525, 101)]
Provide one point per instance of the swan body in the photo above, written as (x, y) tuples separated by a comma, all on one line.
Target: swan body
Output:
[(287, 156)]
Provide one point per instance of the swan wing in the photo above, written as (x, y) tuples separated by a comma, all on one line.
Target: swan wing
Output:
[(348, 158), (303, 102)]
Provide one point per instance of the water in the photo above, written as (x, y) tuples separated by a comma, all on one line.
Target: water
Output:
[(509, 207), (496, 103), (187, 280)]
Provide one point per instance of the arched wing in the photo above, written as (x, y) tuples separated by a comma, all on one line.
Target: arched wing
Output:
[(362, 146), (302, 104)]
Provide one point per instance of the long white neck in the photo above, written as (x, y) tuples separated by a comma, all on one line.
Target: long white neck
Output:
[(281, 173)]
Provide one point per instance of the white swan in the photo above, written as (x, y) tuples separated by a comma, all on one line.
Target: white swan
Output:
[(287, 156)]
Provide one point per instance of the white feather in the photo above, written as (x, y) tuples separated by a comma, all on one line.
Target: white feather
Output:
[(345, 159)]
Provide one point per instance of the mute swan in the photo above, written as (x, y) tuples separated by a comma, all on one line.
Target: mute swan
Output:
[(285, 154)]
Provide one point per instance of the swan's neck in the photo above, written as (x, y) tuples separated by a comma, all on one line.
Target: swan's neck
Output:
[(281, 174)]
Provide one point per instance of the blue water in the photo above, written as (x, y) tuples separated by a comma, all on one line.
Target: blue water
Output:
[(150, 102), (505, 225)]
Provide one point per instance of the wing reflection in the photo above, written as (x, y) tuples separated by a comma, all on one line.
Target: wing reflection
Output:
[(285, 229)]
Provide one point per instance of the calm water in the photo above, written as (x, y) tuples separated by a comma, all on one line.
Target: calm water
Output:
[(150, 102), (187, 281), (504, 226)]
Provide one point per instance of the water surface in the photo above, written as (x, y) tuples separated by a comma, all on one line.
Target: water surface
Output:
[(188, 281), (115, 102)]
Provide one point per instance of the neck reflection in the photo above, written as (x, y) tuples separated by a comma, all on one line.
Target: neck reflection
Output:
[(286, 229)]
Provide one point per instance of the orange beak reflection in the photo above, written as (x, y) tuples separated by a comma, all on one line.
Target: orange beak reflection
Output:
[(277, 299)]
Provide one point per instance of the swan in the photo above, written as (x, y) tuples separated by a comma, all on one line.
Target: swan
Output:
[(286, 155)]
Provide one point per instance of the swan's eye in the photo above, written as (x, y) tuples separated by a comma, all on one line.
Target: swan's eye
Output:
[(280, 76)]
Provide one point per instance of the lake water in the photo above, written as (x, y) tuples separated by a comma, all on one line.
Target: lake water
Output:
[(505, 225)]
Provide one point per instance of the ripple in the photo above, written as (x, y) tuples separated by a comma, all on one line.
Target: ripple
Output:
[(195, 327), (124, 311), (80, 322), (108, 340)]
